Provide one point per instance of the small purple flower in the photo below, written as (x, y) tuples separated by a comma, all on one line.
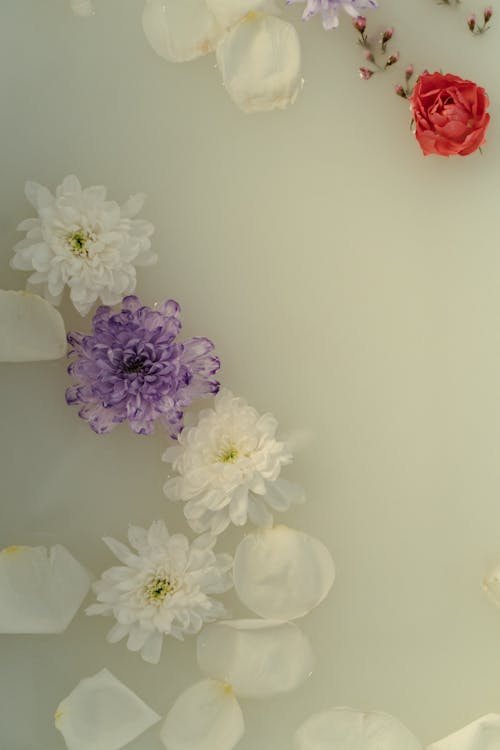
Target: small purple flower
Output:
[(329, 9), (132, 368)]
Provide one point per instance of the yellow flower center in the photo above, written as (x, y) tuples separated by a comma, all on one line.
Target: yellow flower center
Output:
[(228, 455), (78, 241), (158, 588)]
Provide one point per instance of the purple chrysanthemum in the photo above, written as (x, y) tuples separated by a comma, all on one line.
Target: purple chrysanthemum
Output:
[(132, 368), (329, 9)]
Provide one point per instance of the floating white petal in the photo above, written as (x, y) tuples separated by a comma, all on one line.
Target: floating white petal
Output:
[(482, 734), (180, 30), (348, 729), (491, 585), (206, 716), (258, 658), (101, 713), (281, 573), (82, 7), (259, 59), (30, 328), (40, 591), (229, 12)]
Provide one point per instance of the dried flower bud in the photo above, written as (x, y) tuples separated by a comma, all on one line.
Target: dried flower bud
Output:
[(409, 72), (400, 91), (359, 23), (365, 73), (387, 35), (392, 60), (368, 55), (488, 12), (471, 22)]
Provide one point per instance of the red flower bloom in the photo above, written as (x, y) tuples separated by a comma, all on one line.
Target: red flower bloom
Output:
[(450, 114)]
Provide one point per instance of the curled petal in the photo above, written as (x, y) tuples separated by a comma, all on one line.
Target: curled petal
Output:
[(31, 329), (101, 713), (180, 30), (281, 573), (258, 658), (204, 717), (348, 729), (40, 590), (259, 59), (482, 734)]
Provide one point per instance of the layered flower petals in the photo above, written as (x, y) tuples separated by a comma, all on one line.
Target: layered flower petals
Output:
[(180, 30), (348, 729), (260, 62), (102, 713), (163, 588), (40, 590), (258, 658), (31, 329), (281, 573), (204, 717)]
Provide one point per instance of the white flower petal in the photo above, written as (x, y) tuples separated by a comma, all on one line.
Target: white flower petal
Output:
[(258, 658), (229, 12), (83, 8), (102, 713), (348, 729), (260, 61), (206, 716), (31, 329), (491, 585), (482, 734), (281, 573), (40, 591), (180, 30)]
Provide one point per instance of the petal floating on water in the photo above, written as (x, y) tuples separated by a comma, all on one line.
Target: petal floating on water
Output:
[(204, 717), (482, 734), (31, 329), (180, 30), (281, 573), (258, 658)]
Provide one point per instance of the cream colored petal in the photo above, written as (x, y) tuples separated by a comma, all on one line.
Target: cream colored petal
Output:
[(40, 591), (82, 8), (101, 713), (348, 729), (259, 59), (281, 573), (482, 734), (31, 329), (180, 30), (491, 585), (206, 716), (229, 12), (259, 658)]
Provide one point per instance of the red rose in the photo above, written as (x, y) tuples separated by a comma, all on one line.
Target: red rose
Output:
[(450, 114)]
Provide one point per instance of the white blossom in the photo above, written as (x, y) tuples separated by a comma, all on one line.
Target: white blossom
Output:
[(83, 241), (229, 466), (163, 588)]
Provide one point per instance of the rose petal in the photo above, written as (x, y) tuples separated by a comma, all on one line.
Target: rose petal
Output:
[(258, 658), (482, 734), (180, 30), (83, 8), (102, 713), (348, 729), (281, 573), (40, 591), (229, 12), (204, 717), (259, 59), (31, 330)]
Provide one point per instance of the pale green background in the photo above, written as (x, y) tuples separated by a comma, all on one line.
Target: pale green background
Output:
[(351, 286)]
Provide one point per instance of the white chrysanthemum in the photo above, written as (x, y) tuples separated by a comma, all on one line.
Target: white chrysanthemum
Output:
[(83, 241), (229, 466), (163, 589)]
